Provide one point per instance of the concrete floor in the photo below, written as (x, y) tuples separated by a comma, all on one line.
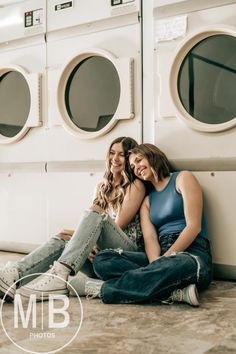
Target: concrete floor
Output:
[(149, 329)]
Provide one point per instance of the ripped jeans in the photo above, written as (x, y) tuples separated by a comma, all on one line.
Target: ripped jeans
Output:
[(94, 228), (130, 278)]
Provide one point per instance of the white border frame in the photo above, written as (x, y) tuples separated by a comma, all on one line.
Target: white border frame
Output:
[(184, 47), (125, 108), (34, 119)]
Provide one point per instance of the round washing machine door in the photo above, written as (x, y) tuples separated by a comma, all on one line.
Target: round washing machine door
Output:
[(94, 92), (19, 103), (203, 80)]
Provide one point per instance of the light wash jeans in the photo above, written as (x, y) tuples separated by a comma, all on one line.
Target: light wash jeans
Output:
[(95, 228)]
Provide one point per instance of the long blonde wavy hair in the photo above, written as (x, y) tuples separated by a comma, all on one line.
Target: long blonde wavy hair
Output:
[(105, 197)]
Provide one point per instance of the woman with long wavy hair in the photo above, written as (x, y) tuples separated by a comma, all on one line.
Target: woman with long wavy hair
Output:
[(111, 222)]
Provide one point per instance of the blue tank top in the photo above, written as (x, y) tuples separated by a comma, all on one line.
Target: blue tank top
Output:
[(167, 210)]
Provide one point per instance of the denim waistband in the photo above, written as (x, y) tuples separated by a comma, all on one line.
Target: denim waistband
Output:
[(167, 240), (168, 237)]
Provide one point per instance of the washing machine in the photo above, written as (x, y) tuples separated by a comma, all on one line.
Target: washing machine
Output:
[(22, 137), (94, 80), (195, 107)]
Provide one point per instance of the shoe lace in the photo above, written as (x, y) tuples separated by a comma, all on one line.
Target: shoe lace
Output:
[(52, 269), (92, 290), (9, 269), (45, 279), (177, 295)]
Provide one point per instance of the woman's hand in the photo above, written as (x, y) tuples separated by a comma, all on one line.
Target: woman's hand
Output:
[(65, 234), (97, 208), (93, 253)]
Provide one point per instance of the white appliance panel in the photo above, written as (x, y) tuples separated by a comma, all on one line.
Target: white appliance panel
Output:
[(207, 148), (69, 195), (32, 60), (22, 20), (42, 193), (23, 210), (120, 39), (86, 12), (220, 204), (202, 143), (23, 202)]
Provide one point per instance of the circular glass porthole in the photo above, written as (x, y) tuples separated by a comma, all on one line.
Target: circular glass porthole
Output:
[(14, 103), (205, 75), (92, 93)]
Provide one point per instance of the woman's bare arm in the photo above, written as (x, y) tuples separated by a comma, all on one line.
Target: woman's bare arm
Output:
[(191, 192), (131, 203), (152, 246)]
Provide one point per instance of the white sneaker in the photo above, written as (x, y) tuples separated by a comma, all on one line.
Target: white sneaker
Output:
[(76, 284), (85, 286), (188, 295), (52, 282), (93, 288), (8, 276)]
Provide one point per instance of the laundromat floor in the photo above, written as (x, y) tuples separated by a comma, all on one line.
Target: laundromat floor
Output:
[(147, 329)]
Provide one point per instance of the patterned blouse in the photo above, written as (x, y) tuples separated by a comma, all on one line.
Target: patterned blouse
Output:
[(133, 230)]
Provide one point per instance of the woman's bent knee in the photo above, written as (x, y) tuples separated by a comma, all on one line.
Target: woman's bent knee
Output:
[(100, 262)]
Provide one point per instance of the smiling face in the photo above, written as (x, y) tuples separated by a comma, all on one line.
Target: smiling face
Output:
[(116, 159), (141, 167)]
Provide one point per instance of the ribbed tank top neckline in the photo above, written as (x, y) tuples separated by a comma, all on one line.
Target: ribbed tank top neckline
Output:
[(172, 179)]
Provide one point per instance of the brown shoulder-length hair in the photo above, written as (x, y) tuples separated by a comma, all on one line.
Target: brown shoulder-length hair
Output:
[(157, 159), (106, 196)]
